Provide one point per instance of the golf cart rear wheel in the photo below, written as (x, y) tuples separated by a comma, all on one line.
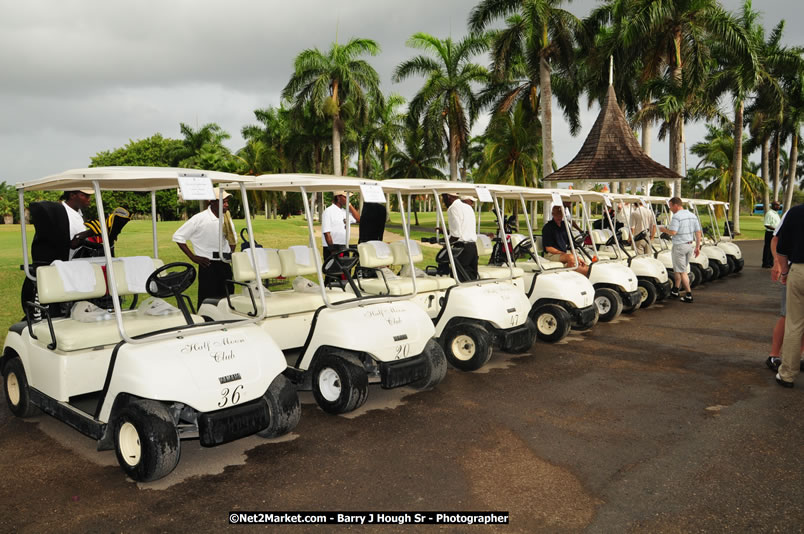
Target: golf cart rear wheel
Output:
[(340, 384), (15, 385), (647, 293), (146, 441), (609, 304), (284, 408), (552, 322), (467, 346), (696, 275), (436, 366)]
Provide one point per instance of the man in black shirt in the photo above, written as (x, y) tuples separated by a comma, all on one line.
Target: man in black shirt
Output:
[(555, 242), (790, 270)]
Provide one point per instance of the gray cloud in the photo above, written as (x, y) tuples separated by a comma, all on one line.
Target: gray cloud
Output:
[(81, 76)]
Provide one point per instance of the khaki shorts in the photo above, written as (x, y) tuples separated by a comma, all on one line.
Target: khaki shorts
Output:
[(682, 255), (553, 257)]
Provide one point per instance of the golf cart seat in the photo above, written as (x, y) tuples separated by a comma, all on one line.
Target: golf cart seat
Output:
[(484, 245), (401, 258), (484, 248), (288, 263), (376, 254), (72, 335)]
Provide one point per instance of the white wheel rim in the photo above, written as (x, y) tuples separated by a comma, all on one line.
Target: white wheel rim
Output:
[(13, 388), (329, 384), (129, 440), (463, 347), (643, 294), (603, 305), (547, 323)]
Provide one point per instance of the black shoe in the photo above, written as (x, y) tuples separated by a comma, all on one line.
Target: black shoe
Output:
[(674, 293), (783, 383), (687, 298), (773, 363)]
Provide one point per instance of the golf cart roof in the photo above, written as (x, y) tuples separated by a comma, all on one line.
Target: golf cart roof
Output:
[(124, 178), (310, 182), (422, 186), (699, 201)]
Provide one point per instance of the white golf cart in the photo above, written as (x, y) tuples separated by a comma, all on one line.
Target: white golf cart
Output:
[(616, 285), (561, 298), (699, 269), (471, 317), (337, 340), (716, 255), (140, 380), (654, 282), (712, 235)]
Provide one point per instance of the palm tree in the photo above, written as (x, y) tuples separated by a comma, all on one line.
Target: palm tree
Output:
[(208, 138), (511, 156), (388, 128), (327, 81), (417, 158), (716, 166), (447, 98), (793, 117), (676, 35), (541, 34)]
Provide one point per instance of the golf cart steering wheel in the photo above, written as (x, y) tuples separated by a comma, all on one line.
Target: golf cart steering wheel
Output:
[(443, 255), (171, 284), (523, 248), (341, 261), (610, 242), (580, 239), (641, 236)]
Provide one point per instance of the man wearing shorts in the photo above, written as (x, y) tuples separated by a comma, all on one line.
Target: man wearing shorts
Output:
[(686, 232), (555, 242)]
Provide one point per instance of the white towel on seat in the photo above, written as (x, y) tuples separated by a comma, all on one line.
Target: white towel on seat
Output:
[(382, 250), (77, 276), (262, 258), (138, 269), (302, 254)]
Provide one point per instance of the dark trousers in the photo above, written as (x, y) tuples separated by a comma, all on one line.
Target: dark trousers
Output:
[(767, 257), (212, 281), (468, 260)]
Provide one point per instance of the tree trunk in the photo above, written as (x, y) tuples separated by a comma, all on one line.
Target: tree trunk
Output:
[(791, 173), (453, 154), (737, 167), (766, 171), (360, 163), (546, 99), (647, 134), (336, 148), (777, 164)]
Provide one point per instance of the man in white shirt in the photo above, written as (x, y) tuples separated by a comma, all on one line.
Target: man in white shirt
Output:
[(202, 230), (771, 222), (463, 229), (642, 221), (333, 224)]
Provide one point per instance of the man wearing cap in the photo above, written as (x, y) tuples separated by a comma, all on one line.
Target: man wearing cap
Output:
[(203, 231), (686, 231), (333, 224), (463, 229)]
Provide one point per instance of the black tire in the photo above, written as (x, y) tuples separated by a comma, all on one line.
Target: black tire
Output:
[(15, 386), (609, 304), (340, 383), (467, 346), (720, 269), (146, 440), (711, 274), (738, 266), (436, 366), (648, 292), (552, 322), (696, 275), (284, 407), (732, 264), (525, 345)]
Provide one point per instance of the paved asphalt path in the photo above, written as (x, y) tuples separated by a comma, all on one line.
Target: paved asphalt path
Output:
[(664, 421)]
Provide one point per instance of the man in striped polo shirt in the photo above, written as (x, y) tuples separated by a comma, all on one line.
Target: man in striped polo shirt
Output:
[(686, 232)]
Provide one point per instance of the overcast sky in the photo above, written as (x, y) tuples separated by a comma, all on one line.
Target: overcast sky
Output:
[(82, 76)]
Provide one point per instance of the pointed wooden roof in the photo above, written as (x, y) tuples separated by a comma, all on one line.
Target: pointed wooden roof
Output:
[(611, 153)]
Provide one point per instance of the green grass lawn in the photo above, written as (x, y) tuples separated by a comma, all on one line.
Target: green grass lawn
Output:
[(135, 240)]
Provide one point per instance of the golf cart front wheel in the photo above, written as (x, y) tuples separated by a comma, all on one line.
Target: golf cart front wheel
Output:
[(731, 264), (15, 385), (283, 406), (146, 440), (609, 304), (552, 322), (467, 346), (647, 293), (436, 366), (340, 384)]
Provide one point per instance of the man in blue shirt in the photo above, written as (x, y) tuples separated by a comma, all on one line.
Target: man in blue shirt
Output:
[(686, 230)]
